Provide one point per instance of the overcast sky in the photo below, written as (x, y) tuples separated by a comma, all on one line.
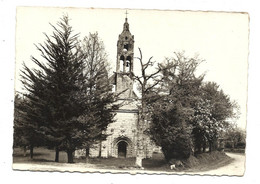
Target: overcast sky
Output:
[(221, 39)]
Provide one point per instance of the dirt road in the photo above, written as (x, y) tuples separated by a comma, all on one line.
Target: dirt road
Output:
[(236, 167)]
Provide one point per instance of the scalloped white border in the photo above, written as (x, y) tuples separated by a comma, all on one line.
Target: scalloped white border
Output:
[(7, 11)]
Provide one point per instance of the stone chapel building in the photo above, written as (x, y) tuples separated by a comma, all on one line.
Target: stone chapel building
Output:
[(122, 139)]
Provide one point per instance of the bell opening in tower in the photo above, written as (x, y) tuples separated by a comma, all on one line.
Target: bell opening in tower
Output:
[(128, 63), (126, 46), (122, 60)]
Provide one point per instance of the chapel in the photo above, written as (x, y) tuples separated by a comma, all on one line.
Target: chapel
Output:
[(123, 132)]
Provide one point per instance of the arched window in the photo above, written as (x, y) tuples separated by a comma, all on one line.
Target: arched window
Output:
[(126, 46), (122, 58), (128, 58)]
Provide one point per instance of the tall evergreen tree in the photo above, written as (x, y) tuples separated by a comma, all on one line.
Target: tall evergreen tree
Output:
[(25, 125), (68, 116)]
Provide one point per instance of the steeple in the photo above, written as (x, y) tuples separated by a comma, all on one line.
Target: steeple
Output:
[(124, 62), (126, 25), (125, 50)]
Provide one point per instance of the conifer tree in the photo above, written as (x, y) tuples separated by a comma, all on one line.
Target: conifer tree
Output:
[(68, 116), (25, 125)]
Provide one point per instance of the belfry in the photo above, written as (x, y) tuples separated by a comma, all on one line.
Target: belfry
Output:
[(125, 50), (125, 63)]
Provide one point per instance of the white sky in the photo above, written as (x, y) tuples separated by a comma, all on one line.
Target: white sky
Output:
[(219, 38)]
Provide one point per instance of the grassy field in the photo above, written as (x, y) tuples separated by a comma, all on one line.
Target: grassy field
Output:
[(39, 155), (44, 155), (156, 163)]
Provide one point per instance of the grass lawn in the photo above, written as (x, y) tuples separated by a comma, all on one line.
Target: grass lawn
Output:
[(156, 163), (44, 155), (39, 155)]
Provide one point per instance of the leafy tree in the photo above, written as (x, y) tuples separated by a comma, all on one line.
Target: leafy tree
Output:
[(170, 130), (172, 113), (211, 114), (187, 114), (98, 89), (235, 136), (222, 106), (205, 127)]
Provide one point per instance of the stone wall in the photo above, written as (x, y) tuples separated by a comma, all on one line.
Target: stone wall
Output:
[(123, 129)]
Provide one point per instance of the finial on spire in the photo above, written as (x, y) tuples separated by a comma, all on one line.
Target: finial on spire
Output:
[(126, 15)]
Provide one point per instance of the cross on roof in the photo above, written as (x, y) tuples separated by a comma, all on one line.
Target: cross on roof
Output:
[(126, 13)]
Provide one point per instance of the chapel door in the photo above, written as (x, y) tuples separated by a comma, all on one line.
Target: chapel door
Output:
[(122, 149)]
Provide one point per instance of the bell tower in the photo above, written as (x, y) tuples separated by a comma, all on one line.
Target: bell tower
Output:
[(125, 50), (124, 62)]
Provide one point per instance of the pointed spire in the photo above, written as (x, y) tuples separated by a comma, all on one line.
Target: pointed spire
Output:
[(126, 25)]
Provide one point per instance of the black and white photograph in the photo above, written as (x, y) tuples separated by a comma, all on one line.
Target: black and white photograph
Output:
[(130, 91)]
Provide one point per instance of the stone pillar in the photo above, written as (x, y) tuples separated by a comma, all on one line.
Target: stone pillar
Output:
[(124, 65)]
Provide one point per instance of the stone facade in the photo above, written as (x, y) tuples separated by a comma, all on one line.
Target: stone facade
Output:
[(122, 140)]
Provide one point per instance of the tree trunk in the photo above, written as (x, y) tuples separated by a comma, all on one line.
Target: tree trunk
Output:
[(100, 147), (199, 147), (210, 147), (204, 148), (57, 154), (214, 145), (70, 156), (204, 144), (87, 154), (31, 151), (24, 151)]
